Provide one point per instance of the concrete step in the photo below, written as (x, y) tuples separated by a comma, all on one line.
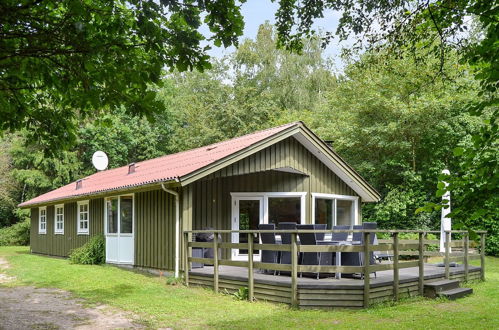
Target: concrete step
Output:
[(432, 289), (455, 293)]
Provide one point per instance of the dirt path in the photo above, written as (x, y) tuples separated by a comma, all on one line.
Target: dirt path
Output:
[(42, 308)]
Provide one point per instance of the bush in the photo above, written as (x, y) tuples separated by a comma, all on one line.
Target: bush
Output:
[(91, 253), (17, 234)]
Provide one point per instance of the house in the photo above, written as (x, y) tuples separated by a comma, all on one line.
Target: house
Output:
[(284, 173)]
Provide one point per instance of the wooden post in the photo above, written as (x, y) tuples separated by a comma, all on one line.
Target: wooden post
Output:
[(447, 254), (422, 237), (482, 255), (294, 271), (215, 262), (250, 268), (396, 266), (466, 243), (186, 259), (367, 278)]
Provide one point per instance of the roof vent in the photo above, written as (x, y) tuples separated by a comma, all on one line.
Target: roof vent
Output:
[(79, 184), (131, 168), (211, 148)]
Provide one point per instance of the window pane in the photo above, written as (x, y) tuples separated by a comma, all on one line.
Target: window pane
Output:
[(126, 215), (112, 215), (249, 218), (344, 215), (284, 209), (324, 212)]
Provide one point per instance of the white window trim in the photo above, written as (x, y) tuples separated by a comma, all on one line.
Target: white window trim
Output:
[(58, 231), (266, 195), (118, 234), (40, 230), (334, 198), (119, 208), (80, 231), (262, 196)]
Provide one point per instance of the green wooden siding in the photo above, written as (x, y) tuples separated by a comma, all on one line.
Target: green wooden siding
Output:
[(155, 229), (211, 196), (211, 199), (61, 245), (290, 153)]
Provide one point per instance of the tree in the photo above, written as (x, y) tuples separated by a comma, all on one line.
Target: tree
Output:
[(397, 124), (418, 24), (8, 188), (256, 87), (63, 61)]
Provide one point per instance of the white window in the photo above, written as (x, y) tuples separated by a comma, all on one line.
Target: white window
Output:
[(42, 220), (59, 219), (335, 210), (83, 218)]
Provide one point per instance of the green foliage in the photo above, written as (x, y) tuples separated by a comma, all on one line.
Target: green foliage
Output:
[(91, 253), (241, 294), (475, 180), (124, 138), (61, 61), (17, 234), (254, 88), (397, 209), (9, 191), (413, 236), (475, 187), (397, 124)]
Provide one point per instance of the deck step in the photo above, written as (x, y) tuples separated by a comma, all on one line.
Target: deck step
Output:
[(432, 289), (455, 293)]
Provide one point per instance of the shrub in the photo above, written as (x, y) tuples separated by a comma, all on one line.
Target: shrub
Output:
[(91, 253), (17, 234)]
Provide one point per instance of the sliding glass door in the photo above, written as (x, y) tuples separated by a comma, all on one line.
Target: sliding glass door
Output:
[(251, 209), (247, 214)]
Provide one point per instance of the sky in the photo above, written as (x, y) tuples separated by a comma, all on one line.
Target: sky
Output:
[(257, 12)]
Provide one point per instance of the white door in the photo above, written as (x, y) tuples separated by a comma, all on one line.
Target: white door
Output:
[(119, 229), (247, 214)]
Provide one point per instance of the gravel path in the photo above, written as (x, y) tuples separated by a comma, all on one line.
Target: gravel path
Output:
[(42, 308)]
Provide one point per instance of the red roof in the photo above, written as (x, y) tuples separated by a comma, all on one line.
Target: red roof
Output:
[(165, 168)]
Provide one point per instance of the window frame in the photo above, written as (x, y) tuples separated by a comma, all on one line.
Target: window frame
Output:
[(40, 230), (80, 231), (56, 230), (118, 233), (265, 195), (334, 198)]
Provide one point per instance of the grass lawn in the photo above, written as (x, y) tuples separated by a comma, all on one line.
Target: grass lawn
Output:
[(161, 305)]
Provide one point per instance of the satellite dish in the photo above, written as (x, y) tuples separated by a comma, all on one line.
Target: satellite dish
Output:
[(99, 160)]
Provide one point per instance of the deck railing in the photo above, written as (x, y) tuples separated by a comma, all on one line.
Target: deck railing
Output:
[(399, 247)]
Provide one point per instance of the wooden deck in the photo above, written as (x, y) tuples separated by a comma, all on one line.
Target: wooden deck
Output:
[(326, 292)]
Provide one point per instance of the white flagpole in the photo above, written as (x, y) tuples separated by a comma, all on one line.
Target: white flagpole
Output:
[(445, 221)]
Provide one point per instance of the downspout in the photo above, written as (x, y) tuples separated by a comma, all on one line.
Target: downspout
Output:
[(177, 227)]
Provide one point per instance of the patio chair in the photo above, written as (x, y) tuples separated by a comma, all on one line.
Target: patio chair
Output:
[(313, 258), (286, 239), (340, 236), (357, 258), (357, 236), (320, 226), (268, 256)]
